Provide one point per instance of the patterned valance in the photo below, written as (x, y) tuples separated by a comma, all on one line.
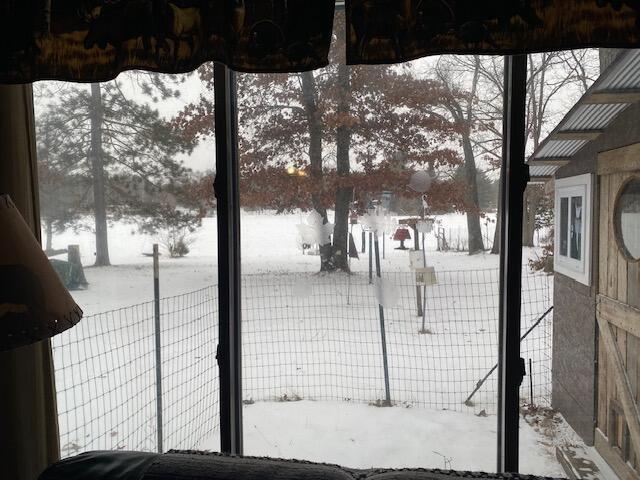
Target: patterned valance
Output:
[(388, 31), (90, 40)]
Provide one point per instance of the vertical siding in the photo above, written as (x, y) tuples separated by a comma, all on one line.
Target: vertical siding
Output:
[(603, 387), (633, 278), (619, 279)]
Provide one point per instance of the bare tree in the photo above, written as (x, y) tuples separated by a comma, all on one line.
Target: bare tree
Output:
[(555, 81), (550, 75), (462, 111)]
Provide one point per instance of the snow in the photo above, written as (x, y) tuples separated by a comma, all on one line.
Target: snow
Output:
[(270, 244), (363, 436), (305, 336)]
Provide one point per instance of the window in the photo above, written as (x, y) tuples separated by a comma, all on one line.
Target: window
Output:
[(441, 332), (327, 346), (627, 218), (111, 186), (338, 329), (573, 224)]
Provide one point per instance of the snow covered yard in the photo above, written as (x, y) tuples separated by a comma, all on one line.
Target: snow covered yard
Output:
[(305, 336), (270, 244), (363, 436)]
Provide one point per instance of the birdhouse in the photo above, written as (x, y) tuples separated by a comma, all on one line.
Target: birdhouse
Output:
[(401, 235), (353, 218)]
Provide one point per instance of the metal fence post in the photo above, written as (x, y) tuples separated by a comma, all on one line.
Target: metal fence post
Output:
[(531, 380), (383, 334), (156, 314), (370, 257), (424, 289), (383, 245)]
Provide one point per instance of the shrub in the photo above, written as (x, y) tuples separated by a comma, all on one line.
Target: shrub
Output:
[(544, 262), (177, 241)]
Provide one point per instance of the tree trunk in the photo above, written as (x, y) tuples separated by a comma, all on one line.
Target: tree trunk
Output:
[(344, 194), (310, 102), (474, 230), (49, 233), (99, 178), (532, 198), (473, 205), (495, 248)]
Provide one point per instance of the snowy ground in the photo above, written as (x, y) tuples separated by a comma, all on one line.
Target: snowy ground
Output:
[(362, 436), (270, 244), (305, 336)]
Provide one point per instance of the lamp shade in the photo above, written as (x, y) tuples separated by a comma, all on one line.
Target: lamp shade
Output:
[(34, 304)]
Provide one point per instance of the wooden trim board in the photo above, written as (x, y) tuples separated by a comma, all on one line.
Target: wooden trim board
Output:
[(619, 160), (620, 467), (612, 96), (619, 314)]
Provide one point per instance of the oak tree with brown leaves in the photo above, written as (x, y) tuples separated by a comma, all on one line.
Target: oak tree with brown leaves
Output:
[(347, 132)]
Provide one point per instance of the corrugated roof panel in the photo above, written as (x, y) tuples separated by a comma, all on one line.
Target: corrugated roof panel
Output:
[(624, 75), (560, 148), (593, 117), (542, 170)]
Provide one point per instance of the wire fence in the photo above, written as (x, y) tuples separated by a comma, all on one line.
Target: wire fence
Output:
[(457, 238), (318, 338), (305, 336), (106, 383)]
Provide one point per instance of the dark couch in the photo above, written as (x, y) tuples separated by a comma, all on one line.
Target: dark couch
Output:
[(189, 465)]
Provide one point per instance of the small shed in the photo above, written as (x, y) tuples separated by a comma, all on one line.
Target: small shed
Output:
[(591, 161)]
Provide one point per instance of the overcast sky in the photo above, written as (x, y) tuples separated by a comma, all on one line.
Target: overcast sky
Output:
[(203, 157)]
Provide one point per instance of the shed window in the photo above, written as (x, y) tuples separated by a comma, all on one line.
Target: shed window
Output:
[(627, 219), (564, 224), (575, 228), (573, 212)]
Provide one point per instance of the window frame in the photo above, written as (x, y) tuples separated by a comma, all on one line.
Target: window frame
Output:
[(578, 186), (514, 178), (227, 191), (617, 221)]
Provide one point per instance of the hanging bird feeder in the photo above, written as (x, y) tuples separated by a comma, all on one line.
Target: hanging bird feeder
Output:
[(401, 235)]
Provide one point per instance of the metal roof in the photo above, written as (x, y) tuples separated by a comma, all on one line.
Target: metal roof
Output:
[(616, 89), (559, 148), (594, 116), (622, 75), (537, 171)]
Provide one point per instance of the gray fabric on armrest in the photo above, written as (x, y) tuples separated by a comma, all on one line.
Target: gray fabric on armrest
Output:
[(226, 467), (194, 465), (101, 466)]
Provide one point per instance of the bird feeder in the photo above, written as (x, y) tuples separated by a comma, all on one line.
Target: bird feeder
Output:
[(401, 235)]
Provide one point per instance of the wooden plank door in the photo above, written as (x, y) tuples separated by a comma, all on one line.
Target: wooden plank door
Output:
[(618, 314)]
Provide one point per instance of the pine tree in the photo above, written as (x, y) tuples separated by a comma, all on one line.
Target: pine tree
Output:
[(127, 152), (63, 190)]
